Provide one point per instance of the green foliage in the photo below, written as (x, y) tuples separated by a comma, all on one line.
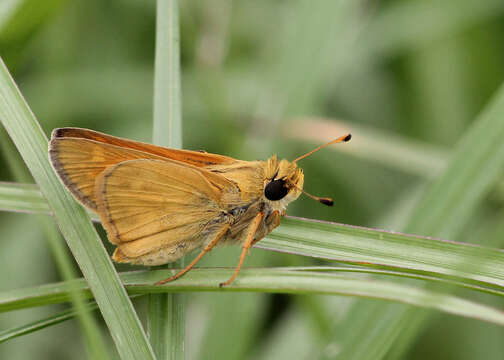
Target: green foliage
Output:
[(417, 84)]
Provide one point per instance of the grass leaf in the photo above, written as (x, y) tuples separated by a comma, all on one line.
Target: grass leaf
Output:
[(328, 281), (476, 164), (344, 243), (74, 224), (166, 315)]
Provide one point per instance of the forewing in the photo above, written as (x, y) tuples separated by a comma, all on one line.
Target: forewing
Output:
[(195, 158), (148, 205), (80, 155), (78, 162)]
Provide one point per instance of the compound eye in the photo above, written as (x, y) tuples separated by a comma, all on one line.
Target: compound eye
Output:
[(276, 190)]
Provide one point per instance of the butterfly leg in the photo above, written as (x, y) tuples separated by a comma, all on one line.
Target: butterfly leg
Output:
[(246, 246), (207, 248), (270, 222)]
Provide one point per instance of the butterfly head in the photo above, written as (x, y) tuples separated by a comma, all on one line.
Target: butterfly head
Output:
[(283, 182), (284, 179)]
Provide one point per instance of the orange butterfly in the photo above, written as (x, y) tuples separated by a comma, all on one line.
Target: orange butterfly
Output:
[(158, 204)]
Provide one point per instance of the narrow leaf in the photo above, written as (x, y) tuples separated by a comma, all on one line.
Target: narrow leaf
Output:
[(166, 315), (274, 280), (74, 224)]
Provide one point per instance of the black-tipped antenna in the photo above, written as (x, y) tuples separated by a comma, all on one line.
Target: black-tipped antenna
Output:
[(343, 138), (322, 200), (325, 201)]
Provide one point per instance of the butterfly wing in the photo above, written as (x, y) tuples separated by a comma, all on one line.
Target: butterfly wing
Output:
[(158, 210), (80, 155), (196, 158)]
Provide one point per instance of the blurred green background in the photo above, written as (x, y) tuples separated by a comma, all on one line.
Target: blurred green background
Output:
[(261, 77)]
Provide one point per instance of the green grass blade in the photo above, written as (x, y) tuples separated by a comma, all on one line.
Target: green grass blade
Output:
[(389, 250), (75, 226), (92, 334), (166, 314), (346, 243), (57, 293), (8, 334), (273, 280), (167, 130), (476, 164), (89, 327), (25, 198)]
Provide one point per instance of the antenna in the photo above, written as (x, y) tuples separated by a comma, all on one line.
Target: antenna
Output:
[(325, 201), (343, 138)]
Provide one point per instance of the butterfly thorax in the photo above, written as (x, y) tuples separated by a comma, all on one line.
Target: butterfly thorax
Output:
[(265, 187), (274, 183)]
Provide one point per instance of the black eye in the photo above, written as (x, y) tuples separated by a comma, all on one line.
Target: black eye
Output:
[(275, 190)]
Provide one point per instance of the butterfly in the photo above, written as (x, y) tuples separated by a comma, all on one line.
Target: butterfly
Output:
[(158, 204)]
